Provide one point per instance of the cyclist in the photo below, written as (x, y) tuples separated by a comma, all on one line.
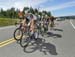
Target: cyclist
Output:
[(52, 21), (20, 15), (46, 22), (30, 20)]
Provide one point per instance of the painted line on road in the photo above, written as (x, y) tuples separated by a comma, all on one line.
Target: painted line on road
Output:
[(9, 41), (4, 43), (72, 24)]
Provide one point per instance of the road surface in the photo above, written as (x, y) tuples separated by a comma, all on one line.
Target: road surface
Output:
[(60, 42)]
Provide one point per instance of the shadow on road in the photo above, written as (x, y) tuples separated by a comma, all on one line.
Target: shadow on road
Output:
[(50, 34), (42, 46), (56, 29)]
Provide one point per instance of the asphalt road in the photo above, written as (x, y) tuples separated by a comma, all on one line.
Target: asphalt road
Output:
[(60, 42), (6, 32)]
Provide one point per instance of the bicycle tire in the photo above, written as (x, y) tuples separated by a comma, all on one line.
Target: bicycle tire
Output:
[(18, 30), (24, 41)]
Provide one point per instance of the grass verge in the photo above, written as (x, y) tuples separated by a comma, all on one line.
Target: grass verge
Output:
[(7, 21)]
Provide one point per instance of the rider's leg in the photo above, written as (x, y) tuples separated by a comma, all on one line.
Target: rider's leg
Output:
[(24, 24), (32, 28), (52, 25)]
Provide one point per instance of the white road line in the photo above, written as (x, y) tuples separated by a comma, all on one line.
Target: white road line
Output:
[(72, 24)]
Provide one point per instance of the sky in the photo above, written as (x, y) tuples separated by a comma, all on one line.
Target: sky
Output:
[(56, 7)]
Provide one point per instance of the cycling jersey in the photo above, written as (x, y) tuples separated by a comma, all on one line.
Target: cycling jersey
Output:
[(29, 17)]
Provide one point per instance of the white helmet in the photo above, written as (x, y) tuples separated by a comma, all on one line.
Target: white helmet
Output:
[(35, 17), (27, 11)]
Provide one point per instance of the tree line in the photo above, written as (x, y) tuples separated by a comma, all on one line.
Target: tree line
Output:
[(13, 13)]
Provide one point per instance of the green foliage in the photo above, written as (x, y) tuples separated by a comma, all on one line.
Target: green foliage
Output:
[(9, 13), (49, 13), (13, 13), (46, 13), (7, 21)]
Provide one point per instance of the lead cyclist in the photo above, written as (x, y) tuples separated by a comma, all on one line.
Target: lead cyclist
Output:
[(30, 20)]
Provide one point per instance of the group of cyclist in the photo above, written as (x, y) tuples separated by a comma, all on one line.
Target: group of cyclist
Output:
[(29, 19)]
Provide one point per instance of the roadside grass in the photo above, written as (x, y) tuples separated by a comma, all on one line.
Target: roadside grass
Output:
[(7, 21)]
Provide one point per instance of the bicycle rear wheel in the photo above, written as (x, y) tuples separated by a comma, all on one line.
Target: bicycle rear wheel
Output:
[(25, 40), (18, 34)]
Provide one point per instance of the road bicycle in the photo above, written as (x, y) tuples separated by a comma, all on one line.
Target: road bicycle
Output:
[(43, 28), (27, 37)]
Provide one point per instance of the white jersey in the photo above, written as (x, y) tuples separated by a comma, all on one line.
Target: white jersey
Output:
[(34, 17), (29, 17)]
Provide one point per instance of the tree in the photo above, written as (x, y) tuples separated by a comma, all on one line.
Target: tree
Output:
[(36, 11), (49, 13), (40, 13), (32, 10), (25, 9), (12, 13), (2, 13)]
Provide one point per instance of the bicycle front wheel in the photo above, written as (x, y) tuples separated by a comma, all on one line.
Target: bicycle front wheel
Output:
[(18, 34)]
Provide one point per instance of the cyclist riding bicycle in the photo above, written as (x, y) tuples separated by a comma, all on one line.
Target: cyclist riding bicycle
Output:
[(29, 20), (20, 15), (52, 21)]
